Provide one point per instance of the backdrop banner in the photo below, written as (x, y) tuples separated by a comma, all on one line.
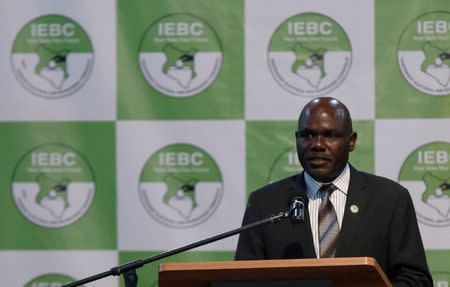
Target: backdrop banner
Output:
[(133, 127)]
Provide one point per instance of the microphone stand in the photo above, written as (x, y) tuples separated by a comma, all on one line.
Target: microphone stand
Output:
[(129, 269)]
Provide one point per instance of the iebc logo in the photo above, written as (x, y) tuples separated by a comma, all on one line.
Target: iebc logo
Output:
[(180, 55), (309, 55), (50, 280), (52, 56), (426, 173), (181, 185), (423, 53), (53, 185), (285, 164)]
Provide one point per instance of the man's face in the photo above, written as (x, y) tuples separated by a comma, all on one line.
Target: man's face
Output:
[(324, 142)]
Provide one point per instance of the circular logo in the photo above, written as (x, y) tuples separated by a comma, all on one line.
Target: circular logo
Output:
[(53, 185), (426, 174), (309, 55), (286, 164), (50, 279), (180, 185), (52, 56), (423, 53), (180, 55)]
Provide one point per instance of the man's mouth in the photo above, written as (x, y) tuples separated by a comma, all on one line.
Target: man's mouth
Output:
[(318, 160)]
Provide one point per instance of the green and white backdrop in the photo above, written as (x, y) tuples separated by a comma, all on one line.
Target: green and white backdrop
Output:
[(132, 127)]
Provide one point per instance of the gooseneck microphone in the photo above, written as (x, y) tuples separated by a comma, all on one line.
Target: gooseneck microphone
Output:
[(297, 210), (128, 270)]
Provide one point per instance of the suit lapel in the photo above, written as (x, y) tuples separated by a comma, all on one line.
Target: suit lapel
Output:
[(356, 202)]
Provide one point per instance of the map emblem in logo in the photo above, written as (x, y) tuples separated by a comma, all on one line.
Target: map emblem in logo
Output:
[(423, 53), (180, 55), (426, 174), (309, 55), (180, 185), (286, 164), (52, 56), (50, 279), (53, 185)]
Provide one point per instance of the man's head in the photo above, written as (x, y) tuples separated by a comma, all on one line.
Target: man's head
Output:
[(325, 138)]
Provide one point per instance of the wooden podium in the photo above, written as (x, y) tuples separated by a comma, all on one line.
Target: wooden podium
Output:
[(338, 272)]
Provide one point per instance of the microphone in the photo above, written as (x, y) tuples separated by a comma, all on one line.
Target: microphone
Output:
[(297, 209), (128, 270)]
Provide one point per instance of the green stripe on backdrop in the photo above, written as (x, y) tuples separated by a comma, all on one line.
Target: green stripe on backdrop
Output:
[(33, 220), (271, 151), (148, 274), (409, 93), (143, 94)]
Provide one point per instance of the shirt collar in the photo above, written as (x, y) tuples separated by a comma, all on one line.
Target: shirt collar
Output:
[(341, 182)]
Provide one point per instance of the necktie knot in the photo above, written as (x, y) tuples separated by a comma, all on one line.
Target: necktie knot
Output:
[(327, 189)]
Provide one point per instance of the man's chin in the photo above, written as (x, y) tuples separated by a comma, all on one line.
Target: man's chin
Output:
[(320, 174)]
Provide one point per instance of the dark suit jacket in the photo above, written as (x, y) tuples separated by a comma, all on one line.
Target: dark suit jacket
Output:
[(385, 227)]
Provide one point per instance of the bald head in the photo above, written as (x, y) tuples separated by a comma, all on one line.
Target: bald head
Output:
[(325, 138), (330, 106)]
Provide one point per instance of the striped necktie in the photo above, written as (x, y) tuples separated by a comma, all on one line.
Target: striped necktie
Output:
[(328, 223)]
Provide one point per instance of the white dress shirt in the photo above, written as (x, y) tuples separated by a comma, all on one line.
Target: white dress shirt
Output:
[(338, 198)]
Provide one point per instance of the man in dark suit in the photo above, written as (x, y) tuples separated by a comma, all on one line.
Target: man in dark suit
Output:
[(372, 216)]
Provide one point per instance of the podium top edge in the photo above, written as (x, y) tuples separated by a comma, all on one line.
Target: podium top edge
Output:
[(273, 263)]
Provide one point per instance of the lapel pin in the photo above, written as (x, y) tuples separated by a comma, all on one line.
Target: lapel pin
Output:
[(354, 208)]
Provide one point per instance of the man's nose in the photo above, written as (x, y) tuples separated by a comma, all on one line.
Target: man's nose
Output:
[(318, 142)]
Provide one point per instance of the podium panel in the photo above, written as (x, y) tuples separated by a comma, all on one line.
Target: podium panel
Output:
[(289, 283), (348, 272)]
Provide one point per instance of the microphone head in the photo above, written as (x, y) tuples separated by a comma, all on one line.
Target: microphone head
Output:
[(297, 209)]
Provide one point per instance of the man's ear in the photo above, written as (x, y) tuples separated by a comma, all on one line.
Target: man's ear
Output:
[(352, 143)]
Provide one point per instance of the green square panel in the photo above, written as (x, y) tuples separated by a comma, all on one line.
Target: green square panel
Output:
[(439, 267), (272, 154), (58, 187), (180, 59), (412, 59)]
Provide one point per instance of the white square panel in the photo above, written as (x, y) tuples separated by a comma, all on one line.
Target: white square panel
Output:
[(85, 89), (19, 268), (179, 182), (416, 154), (268, 92)]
